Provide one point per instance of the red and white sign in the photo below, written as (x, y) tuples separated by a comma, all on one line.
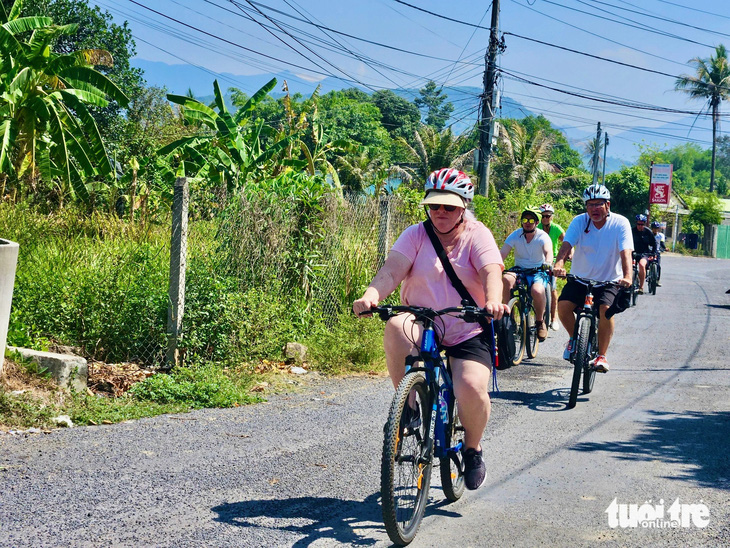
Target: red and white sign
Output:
[(660, 186)]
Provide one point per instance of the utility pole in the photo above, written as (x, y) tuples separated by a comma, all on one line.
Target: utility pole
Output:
[(487, 115), (605, 146), (596, 157)]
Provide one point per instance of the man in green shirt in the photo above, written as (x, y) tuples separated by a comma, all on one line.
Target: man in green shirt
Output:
[(556, 234)]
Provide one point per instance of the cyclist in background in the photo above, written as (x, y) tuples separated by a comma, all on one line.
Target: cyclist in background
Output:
[(556, 233), (644, 242), (661, 247), (603, 246), (474, 255), (533, 249)]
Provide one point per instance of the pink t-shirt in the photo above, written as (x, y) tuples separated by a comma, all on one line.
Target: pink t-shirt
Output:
[(427, 284)]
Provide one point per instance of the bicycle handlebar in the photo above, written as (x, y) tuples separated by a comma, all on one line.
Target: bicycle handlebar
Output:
[(529, 271), (470, 314), (588, 281)]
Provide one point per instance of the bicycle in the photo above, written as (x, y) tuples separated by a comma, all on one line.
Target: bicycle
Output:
[(423, 424), (652, 274), (585, 339), (523, 314)]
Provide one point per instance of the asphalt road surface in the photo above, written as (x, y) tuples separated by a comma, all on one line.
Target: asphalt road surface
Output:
[(303, 469)]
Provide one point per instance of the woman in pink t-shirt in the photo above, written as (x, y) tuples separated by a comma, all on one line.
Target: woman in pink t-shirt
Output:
[(474, 254)]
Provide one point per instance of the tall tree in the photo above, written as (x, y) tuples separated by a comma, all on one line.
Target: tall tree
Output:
[(711, 82), (433, 150), (522, 159), (46, 127), (431, 103), (398, 116)]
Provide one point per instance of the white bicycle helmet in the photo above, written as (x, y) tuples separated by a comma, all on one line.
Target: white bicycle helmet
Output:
[(451, 180), (546, 208), (596, 192)]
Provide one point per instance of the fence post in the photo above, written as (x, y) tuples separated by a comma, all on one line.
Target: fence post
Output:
[(383, 229), (178, 254)]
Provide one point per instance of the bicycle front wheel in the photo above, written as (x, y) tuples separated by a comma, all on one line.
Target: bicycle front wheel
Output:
[(451, 466), (652, 279), (589, 374), (405, 471), (519, 329), (580, 358), (531, 339)]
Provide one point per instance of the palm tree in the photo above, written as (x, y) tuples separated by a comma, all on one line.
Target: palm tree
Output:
[(433, 150), (46, 128), (525, 158), (712, 83)]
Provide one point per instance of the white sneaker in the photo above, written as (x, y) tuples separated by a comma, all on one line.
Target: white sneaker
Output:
[(554, 326)]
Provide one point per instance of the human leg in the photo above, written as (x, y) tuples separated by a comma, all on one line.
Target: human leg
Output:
[(539, 301), (471, 387), (605, 330), (397, 344), (508, 283), (642, 273)]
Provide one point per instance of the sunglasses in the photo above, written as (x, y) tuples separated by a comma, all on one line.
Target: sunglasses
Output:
[(640, 224), (436, 207), (546, 216), (530, 221)]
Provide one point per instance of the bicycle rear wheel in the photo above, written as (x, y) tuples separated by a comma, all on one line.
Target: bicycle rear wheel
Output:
[(451, 466), (531, 339), (405, 471), (580, 358), (589, 374), (635, 287)]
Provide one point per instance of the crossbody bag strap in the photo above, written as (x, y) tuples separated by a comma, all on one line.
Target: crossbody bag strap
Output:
[(448, 268), (487, 327)]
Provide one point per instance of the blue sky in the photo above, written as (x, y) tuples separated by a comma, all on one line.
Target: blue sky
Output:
[(274, 36)]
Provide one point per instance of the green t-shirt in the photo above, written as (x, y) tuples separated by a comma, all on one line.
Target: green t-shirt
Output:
[(555, 232)]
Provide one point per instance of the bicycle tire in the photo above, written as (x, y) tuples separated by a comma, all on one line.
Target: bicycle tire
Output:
[(635, 287), (452, 466), (518, 329), (579, 360), (407, 461), (548, 304), (531, 341), (589, 374), (652, 279)]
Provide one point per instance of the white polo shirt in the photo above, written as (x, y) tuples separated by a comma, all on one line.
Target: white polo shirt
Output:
[(597, 251)]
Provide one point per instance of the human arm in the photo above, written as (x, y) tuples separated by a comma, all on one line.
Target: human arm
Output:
[(390, 275), (491, 277), (626, 268), (547, 250), (563, 254), (506, 248)]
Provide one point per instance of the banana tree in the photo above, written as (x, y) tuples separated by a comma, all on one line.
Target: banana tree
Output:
[(227, 148), (46, 129)]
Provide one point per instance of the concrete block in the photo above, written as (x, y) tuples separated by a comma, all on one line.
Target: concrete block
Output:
[(68, 371)]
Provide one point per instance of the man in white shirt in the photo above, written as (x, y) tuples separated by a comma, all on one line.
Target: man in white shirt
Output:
[(533, 248), (603, 246)]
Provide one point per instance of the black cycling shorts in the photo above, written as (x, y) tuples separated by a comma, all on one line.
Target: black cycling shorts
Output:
[(474, 349), (576, 293)]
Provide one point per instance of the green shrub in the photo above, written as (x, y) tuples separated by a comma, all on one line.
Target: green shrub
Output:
[(198, 387), (352, 344)]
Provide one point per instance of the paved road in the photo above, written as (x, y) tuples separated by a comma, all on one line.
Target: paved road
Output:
[(303, 469)]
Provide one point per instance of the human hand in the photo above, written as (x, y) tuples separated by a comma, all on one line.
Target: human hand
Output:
[(364, 304), (496, 309), (625, 282)]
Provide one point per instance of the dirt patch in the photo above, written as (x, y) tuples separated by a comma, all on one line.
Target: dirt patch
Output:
[(115, 379), (16, 377)]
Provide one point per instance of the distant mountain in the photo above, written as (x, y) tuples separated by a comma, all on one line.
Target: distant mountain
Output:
[(178, 79)]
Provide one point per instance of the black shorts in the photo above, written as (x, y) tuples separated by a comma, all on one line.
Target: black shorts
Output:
[(474, 349), (576, 293)]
